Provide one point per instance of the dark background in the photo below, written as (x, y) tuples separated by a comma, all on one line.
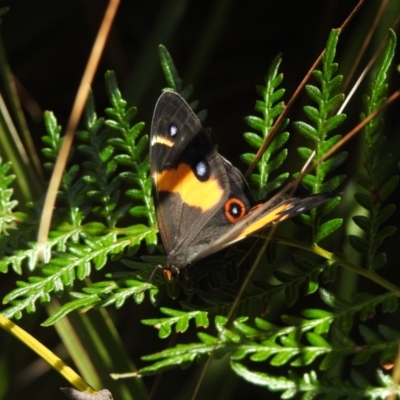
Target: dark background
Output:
[(224, 48)]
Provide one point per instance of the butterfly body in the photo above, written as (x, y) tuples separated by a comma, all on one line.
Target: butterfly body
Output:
[(203, 203)]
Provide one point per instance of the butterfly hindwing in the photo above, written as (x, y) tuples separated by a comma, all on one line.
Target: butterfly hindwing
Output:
[(277, 209)]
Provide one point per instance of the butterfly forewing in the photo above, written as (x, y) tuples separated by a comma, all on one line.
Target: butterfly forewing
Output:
[(188, 175)]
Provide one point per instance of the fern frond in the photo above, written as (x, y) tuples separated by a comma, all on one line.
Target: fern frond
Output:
[(133, 157), (300, 343), (270, 107), (180, 319), (311, 386), (7, 204), (91, 188), (72, 197), (75, 263), (376, 180), (175, 82), (322, 123)]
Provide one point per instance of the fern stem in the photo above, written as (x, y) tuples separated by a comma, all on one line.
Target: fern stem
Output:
[(67, 372), (334, 258)]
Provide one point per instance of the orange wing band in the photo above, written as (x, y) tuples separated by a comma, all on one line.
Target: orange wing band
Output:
[(193, 192), (268, 219)]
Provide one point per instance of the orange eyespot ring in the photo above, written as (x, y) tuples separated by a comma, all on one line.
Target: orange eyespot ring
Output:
[(234, 210)]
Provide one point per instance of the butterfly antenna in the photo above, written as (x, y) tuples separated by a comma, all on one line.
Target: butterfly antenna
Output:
[(159, 266)]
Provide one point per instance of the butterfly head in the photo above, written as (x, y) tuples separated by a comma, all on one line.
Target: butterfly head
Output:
[(170, 272)]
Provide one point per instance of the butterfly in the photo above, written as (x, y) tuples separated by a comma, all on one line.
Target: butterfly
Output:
[(203, 204)]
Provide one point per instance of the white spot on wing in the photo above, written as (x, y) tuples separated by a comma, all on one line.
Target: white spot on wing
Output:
[(201, 169), (173, 130)]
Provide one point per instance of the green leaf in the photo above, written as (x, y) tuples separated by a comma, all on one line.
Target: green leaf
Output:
[(171, 74), (379, 261), (385, 213), (332, 184), (329, 56), (329, 361), (327, 229), (255, 123), (381, 235), (335, 121), (365, 201), (388, 187), (282, 358), (259, 378), (253, 139), (315, 94), (80, 303), (201, 319), (182, 325), (261, 356), (312, 113), (361, 357), (317, 340), (207, 339), (369, 335), (306, 130), (359, 244), (362, 222), (334, 162), (307, 357)]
